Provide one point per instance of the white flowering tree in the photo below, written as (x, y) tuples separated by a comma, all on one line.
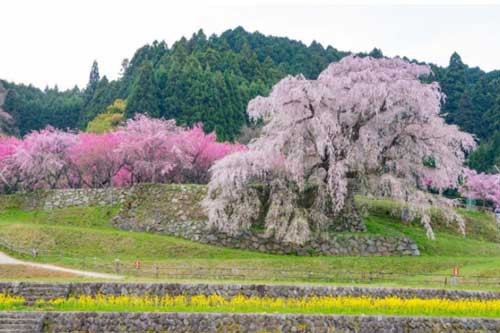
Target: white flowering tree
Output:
[(364, 122)]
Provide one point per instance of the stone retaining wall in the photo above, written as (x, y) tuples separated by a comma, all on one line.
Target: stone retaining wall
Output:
[(249, 322), (229, 290), (53, 199), (347, 244), (178, 201), (233, 322), (175, 210), (86, 197)]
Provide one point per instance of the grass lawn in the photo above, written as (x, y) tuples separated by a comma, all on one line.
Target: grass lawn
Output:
[(82, 238)]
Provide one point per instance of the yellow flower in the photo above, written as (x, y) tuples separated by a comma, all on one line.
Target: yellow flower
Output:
[(242, 303), (9, 301)]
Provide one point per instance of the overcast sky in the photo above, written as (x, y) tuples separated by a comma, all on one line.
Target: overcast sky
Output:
[(48, 42)]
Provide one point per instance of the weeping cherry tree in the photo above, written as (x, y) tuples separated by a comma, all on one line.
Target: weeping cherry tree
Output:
[(365, 123)]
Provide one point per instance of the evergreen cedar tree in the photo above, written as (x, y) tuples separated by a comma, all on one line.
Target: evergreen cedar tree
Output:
[(212, 79), (143, 150), (144, 96), (7, 122), (365, 123)]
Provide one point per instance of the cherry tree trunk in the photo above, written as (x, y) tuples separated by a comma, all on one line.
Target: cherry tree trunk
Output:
[(349, 218)]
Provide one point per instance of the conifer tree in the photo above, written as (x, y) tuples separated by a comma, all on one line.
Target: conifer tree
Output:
[(144, 95), (94, 79)]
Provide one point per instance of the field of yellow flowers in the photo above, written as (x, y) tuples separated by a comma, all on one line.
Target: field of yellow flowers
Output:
[(8, 302), (240, 303)]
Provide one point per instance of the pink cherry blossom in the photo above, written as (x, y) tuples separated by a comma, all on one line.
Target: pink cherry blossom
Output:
[(43, 159), (482, 186), (364, 123), (143, 150), (94, 160), (200, 151)]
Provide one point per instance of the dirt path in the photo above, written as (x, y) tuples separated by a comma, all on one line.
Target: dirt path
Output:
[(6, 260)]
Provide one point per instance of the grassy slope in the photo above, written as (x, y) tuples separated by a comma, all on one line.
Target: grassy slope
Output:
[(85, 232)]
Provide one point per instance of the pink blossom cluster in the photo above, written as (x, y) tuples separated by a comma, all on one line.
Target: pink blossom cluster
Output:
[(482, 186), (142, 150)]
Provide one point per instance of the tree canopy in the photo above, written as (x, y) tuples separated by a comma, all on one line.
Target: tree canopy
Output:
[(364, 122), (211, 79), (109, 120), (141, 150)]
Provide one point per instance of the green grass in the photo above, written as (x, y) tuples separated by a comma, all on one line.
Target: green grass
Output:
[(83, 238), (479, 225), (107, 243), (445, 244), (86, 217)]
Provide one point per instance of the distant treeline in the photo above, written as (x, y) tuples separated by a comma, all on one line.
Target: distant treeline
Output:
[(211, 79)]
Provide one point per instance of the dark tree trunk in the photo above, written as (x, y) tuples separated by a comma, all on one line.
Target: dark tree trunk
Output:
[(348, 219)]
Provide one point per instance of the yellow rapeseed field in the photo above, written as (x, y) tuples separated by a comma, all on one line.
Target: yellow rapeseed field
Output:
[(10, 302), (241, 303)]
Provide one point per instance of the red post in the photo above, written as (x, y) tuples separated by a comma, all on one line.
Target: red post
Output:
[(455, 270), (137, 264)]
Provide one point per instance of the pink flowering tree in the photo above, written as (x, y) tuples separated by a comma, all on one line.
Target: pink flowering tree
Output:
[(42, 159), (143, 150), (94, 160), (9, 176), (200, 151), (364, 123), (148, 148), (481, 186), (155, 150)]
